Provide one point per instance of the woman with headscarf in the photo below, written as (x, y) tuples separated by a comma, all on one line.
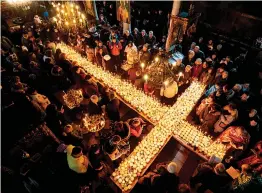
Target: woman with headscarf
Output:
[(254, 160), (136, 126), (236, 139)]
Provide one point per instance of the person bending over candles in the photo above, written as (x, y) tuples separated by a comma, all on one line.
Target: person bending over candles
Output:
[(229, 115), (254, 160), (112, 107), (136, 126), (122, 129), (236, 139), (76, 160)]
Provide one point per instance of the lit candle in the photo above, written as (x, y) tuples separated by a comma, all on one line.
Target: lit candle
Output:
[(143, 66)]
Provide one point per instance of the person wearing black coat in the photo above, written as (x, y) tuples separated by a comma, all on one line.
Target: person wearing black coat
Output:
[(137, 36), (55, 119), (212, 178), (93, 108), (89, 41), (112, 108), (144, 54)]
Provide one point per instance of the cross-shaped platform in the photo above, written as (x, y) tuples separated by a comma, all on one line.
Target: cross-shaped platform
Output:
[(168, 121)]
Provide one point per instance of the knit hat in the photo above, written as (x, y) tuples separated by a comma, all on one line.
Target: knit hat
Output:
[(172, 167), (76, 152), (135, 122)]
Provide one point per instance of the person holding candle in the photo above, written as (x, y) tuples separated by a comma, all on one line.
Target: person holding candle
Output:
[(206, 102), (189, 59), (151, 39), (179, 66), (186, 77), (207, 76)]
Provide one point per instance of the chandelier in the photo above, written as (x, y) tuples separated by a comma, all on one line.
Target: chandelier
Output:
[(68, 16)]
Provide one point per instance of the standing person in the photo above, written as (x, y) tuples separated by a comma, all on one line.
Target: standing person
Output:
[(229, 115), (144, 55), (131, 53), (137, 36), (197, 69), (112, 108), (99, 58), (151, 39), (90, 53), (115, 48), (132, 73), (186, 77), (93, 108)]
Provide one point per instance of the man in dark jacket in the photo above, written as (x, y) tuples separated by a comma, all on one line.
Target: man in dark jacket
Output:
[(199, 53), (210, 178), (151, 39), (144, 54)]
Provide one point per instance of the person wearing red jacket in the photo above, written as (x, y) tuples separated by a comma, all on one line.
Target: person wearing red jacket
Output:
[(115, 48), (197, 69)]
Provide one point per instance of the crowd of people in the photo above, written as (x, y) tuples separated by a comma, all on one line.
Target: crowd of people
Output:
[(33, 70)]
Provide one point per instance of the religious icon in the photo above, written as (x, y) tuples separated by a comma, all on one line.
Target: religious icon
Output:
[(123, 11), (90, 7)]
